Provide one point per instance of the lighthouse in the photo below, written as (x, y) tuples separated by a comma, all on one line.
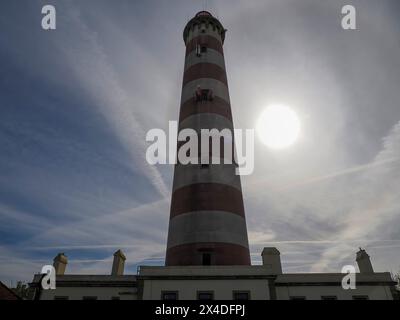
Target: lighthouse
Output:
[(207, 223)]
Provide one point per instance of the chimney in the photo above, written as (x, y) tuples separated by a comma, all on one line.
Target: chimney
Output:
[(271, 258), (118, 263), (60, 263), (363, 261)]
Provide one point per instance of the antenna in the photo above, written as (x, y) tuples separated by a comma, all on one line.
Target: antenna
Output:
[(205, 5), (215, 9)]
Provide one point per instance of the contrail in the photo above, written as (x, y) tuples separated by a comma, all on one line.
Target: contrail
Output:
[(340, 173), (329, 241), (99, 79)]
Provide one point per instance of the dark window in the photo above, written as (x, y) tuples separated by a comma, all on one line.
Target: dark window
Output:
[(115, 298), (203, 31), (61, 297), (169, 295), (89, 298), (206, 259), (328, 298), (241, 295), (203, 49), (205, 295), (204, 95), (297, 298), (360, 297), (205, 165)]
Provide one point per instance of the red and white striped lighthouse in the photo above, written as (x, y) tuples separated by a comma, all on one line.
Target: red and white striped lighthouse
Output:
[(207, 219)]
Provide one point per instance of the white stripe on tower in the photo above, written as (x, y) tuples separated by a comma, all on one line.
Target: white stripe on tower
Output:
[(212, 56), (219, 89), (190, 174), (208, 226), (206, 121)]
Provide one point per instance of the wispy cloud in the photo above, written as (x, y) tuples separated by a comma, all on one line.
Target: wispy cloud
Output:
[(97, 76), (377, 202)]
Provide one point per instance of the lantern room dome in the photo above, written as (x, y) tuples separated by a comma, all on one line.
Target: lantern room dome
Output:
[(203, 14)]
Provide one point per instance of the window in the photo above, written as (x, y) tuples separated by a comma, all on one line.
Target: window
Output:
[(115, 298), (297, 298), (329, 298), (241, 295), (205, 295), (205, 165), (360, 297), (61, 297), (203, 49), (203, 94), (206, 259), (89, 298), (169, 295), (198, 50)]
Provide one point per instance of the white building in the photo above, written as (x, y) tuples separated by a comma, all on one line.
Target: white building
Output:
[(260, 282)]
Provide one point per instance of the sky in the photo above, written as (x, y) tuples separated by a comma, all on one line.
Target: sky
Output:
[(76, 103)]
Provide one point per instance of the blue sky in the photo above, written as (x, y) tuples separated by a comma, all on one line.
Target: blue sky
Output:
[(76, 103)]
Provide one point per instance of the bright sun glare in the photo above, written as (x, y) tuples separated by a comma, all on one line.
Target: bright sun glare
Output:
[(278, 126)]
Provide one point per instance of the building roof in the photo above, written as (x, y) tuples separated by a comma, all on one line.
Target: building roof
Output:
[(310, 279), (259, 272), (79, 280), (218, 271), (7, 294)]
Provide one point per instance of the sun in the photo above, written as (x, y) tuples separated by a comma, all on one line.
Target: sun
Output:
[(278, 126)]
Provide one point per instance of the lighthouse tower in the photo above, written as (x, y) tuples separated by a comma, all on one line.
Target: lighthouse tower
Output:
[(207, 220)]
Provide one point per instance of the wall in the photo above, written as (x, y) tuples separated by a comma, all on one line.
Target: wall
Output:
[(102, 293), (223, 289), (315, 292)]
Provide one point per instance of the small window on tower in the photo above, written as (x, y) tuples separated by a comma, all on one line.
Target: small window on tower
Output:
[(198, 50), (203, 49), (203, 94), (206, 259)]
